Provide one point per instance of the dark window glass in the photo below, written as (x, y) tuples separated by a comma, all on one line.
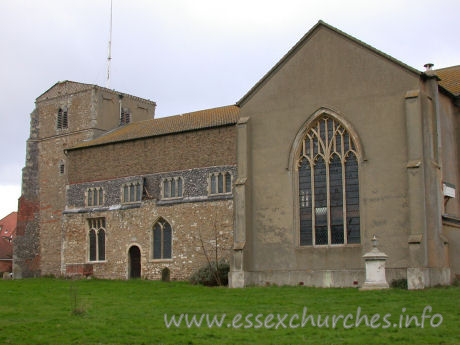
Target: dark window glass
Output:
[(61, 168), (179, 187), (157, 241), (213, 184), (92, 245), (90, 197), (64, 119), (330, 130), (315, 146), (305, 203), (101, 244), (346, 139), (228, 182), (131, 192), (166, 188), (167, 239), (322, 130), (321, 214), (352, 198), (125, 193), (220, 183), (59, 119), (332, 180), (338, 143), (336, 200), (138, 192), (173, 188), (101, 196)]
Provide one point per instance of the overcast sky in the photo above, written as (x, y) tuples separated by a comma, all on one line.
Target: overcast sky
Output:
[(186, 55)]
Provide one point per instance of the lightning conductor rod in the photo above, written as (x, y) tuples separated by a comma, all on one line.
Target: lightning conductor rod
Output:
[(109, 57)]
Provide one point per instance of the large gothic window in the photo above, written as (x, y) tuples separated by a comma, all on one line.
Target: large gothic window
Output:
[(328, 185)]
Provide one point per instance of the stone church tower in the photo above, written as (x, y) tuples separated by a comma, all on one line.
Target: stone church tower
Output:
[(67, 114)]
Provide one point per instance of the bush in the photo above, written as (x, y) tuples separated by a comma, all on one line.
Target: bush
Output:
[(399, 284), (207, 274)]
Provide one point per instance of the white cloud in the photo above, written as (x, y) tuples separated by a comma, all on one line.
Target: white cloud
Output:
[(9, 195)]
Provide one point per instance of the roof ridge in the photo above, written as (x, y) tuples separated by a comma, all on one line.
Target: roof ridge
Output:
[(196, 120), (174, 116), (439, 69)]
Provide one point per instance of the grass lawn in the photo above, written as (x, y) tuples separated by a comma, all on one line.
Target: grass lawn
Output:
[(39, 311)]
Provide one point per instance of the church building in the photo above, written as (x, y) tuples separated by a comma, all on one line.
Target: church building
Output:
[(338, 142)]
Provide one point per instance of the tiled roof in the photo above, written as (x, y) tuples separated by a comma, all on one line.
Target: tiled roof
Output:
[(8, 224), (450, 79), (167, 125)]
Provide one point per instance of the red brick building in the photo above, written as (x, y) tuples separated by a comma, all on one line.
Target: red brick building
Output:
[(7, 234)]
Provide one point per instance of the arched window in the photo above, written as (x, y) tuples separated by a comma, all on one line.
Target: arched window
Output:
[(96, 239), (101, 244), (132, 192), (92, 245), (125, 116), (220, 183), (161, 240), (61, 167), (328, 185), (172, 187), (95, 196), (62, 119)]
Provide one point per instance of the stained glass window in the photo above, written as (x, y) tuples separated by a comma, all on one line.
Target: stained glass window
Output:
[(328, 185)]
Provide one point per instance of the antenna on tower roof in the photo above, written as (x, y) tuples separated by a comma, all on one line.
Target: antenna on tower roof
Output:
[(109, 58)]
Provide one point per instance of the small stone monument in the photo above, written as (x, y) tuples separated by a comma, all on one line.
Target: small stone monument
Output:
[(375, 268)]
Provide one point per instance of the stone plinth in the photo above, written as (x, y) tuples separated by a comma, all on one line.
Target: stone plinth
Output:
[(375, 269)]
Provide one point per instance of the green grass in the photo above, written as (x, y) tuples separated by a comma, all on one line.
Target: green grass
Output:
[(40, 311)]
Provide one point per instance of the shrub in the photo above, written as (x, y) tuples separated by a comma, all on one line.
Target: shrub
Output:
[(399, 284), (165, 274), (208, 274)]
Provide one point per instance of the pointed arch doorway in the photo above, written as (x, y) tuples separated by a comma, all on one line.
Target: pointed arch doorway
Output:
[(134, 262)]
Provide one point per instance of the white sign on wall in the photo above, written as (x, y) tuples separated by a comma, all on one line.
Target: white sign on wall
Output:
[(448, 189)]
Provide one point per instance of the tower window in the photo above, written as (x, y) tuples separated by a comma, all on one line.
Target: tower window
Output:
[(61, 168), (62, 119), (125, 116)]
